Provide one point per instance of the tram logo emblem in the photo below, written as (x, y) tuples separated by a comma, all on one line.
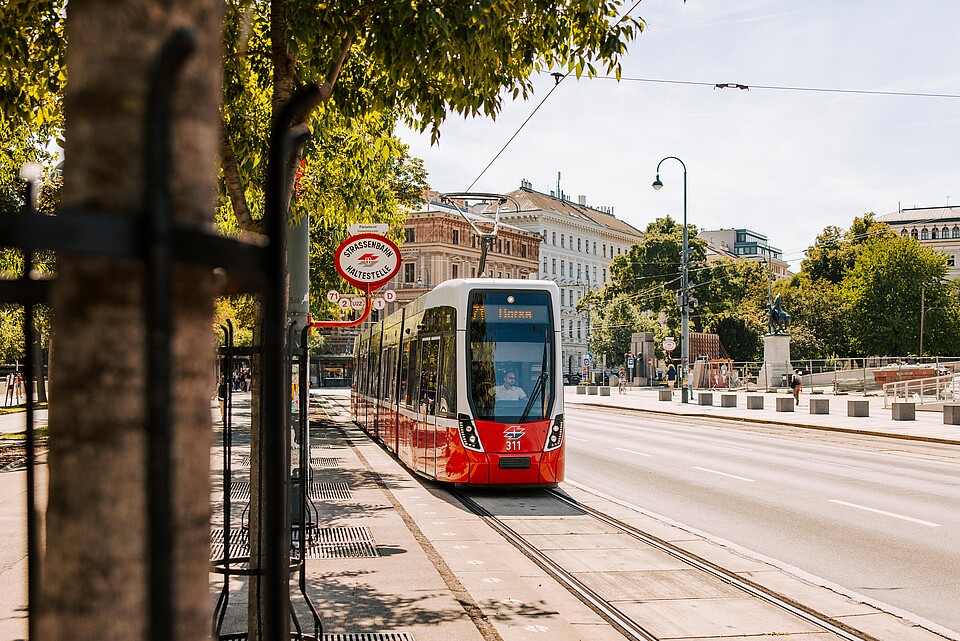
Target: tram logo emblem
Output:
[(514, 432), (369, 259)]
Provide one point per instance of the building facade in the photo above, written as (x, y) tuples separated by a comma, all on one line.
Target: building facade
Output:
[(935, 227), (579, 242), (747, 244)]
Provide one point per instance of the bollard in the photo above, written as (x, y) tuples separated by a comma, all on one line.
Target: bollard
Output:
[(819, 405), (754, 402), (728, 400), (666, 395), (858, 408), (904, 412), (705, 398), (784, 403), (591, 390), (604, 391), (581, 389), (951, 413)]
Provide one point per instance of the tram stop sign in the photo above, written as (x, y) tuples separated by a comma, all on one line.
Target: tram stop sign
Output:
[(669, 344), (367, 260)]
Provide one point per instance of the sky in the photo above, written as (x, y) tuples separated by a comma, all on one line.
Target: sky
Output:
[(785, 163)]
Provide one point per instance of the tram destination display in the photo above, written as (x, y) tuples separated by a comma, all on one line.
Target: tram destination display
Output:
[(495, 313)]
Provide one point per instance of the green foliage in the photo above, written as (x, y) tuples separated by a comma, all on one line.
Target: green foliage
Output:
[(835, 251), (891, 281), (610, 329), (819, 319), (740, 334)]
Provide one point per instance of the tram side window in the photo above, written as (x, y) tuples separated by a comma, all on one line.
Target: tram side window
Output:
[(375, 354), (404, 397), (448, 376), (413, 375), (429, 364)]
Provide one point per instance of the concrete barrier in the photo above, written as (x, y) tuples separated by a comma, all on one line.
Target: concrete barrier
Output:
[(705, 398), (784, 403), (858, 408), (581, 389), (754, 402), (604, 391), (666, 395), (904, 412), (951, 413), (819, 405), (728, 400), (591, 390)]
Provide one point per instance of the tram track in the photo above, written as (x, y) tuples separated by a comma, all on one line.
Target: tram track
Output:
[(608, 610)]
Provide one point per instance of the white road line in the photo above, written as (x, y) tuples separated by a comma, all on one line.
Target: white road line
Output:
[(737, 447), (620, 449), (574, 438), (733, 476), (852, 467), (896, 516)]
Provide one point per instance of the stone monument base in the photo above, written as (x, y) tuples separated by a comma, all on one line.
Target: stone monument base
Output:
[(776, 360)]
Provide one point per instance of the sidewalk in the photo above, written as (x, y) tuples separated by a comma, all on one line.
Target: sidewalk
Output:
[(928, 425)]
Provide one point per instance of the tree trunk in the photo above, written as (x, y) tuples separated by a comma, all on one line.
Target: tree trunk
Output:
[(96, 564)]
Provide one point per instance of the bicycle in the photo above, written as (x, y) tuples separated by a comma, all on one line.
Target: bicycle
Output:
[(622, 385)]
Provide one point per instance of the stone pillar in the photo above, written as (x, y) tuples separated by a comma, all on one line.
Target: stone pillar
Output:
[(776, 360)]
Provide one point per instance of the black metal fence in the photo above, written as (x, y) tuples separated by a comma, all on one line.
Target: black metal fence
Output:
[(258, 267)]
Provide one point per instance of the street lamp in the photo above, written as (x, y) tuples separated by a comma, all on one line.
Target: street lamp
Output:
[(684, 287), (420, 280)]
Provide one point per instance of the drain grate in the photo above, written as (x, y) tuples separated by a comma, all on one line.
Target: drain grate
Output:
[(325, 462), (340, 543), (245, 460), (325, 543), (240, 491), (330, 491), (239, 546), (368, 636)]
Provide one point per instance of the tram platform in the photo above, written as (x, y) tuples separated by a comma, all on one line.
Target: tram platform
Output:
[(879, 421), (440, 573)]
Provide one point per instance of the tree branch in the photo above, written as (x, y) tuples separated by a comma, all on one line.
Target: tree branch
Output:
[(234, 182)]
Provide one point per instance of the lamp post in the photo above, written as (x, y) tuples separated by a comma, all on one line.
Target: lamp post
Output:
[(420, 280), (684, 288)]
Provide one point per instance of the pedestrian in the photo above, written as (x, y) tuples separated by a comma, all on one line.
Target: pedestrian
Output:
[(18, 390), (222, 396), (671, 377), (9, 387), (796, 384)]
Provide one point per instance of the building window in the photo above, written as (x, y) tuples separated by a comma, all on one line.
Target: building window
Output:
[(604, 250), (935, 235), (594, 274), (499, 246), (554, 241), (562, 240), (956, 232), (409, 272), (944, 233), (903, 232), (594, 248), (499, 274), (924, 234), (554, 263), (454, 270), (579, 268), (523, 250), (508, 248), (951, 260), (563, 297), (473, 240), (409, 235), (473, 272), (456, 236), (604, 275), (579, 248), (563, 268), (913, 234)]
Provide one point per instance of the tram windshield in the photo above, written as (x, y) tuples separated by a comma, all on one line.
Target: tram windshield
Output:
[(511, 355)]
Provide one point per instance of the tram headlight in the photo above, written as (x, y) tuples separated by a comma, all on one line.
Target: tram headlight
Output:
[(555, 437), (468, 434)]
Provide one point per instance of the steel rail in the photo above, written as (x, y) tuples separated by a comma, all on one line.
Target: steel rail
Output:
[(618, 619), (808, 615)]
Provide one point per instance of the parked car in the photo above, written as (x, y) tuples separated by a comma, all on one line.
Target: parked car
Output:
[(571, 379)]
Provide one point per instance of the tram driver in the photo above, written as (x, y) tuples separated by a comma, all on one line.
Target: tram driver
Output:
[(509, 391)]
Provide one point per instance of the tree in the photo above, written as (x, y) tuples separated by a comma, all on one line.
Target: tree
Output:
[(892, 280), (835, 251), (97, 511), (740, 334), (819, 318), (611, 327)]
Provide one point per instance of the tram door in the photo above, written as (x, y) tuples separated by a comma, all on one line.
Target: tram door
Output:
[(425, 439)]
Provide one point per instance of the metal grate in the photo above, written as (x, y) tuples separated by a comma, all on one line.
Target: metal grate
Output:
[(330, 491), (240, 491), (245, 460), (339, 636), (326, 543), (325, 462), (515, 463), (339, 543), (239, 545)]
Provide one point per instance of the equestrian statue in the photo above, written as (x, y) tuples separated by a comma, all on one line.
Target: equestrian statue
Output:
[(779, 320)]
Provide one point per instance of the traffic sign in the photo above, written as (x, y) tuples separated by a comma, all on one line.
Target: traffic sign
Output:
[(669, 344), (586, 359), (630, 362), (367, 260)]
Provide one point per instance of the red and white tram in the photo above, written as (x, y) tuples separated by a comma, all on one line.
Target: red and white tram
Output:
[(462, 383)]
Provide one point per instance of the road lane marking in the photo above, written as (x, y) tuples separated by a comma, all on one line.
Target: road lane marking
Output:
[(733, 476), (894, 515), (574, 438), (737, 447), (852, 467), (620, 449)]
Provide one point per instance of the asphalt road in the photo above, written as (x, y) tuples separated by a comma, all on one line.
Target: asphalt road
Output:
[(876, 516)]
